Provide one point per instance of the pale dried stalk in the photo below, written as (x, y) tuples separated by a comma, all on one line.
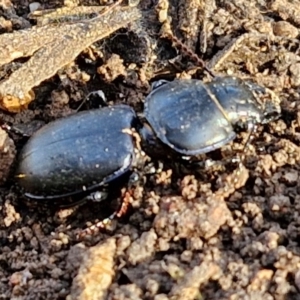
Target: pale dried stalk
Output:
[(65, 14)]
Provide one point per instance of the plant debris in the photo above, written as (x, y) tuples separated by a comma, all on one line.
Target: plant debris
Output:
[(51, 47)]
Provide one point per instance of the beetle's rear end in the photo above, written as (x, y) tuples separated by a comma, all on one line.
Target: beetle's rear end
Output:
[(77, 153)]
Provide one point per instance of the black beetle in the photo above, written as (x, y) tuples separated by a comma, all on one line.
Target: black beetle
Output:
[(78, 154), (193, 117), (87, 150)]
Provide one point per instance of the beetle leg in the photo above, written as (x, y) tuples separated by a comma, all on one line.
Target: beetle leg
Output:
[(240, 157), (99, 94), (252, 128), (124, 206), (97, 196), (23, 130), (91, 230)]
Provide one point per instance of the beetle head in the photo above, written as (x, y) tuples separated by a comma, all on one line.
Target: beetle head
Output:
[(271, 112), (268, 101)]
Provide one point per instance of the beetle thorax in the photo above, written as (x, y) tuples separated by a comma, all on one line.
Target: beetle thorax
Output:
[(242, 112)]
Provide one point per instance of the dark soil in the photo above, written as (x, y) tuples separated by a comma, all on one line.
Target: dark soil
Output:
[(188, 234)]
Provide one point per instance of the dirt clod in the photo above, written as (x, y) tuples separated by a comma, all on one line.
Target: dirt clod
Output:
[(7, 155), (95, 273)]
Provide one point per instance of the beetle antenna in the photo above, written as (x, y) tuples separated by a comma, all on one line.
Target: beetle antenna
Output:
[(188, 51), (127, 199)]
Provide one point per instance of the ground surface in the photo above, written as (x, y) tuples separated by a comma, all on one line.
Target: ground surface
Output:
[(187, 235)]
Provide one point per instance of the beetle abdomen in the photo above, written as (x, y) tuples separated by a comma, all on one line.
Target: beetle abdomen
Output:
[(77, 153)]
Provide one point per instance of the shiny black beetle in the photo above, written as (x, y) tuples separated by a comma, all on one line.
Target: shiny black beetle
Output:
[(82, 152), (77, 154)]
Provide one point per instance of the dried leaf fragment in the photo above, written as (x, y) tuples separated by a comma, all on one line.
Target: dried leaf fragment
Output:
[(52, 47)]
